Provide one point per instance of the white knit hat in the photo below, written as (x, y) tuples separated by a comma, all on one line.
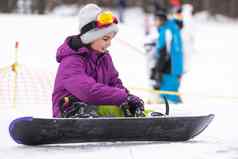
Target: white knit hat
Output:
[(88, 14)]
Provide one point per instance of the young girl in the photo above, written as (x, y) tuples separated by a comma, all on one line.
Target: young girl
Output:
[(86, 77)]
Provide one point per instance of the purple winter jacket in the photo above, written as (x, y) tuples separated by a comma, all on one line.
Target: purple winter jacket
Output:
[(87, 75)]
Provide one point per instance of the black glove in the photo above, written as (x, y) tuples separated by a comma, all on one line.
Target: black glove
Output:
[(134, 104)]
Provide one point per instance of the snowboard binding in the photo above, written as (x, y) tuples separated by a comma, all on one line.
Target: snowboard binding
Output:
[(155, 114), (70, 107)]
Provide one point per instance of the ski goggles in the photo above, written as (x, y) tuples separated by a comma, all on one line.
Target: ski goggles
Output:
[(104, 19)]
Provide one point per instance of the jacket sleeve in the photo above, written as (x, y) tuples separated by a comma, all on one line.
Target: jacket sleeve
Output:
[(177, 52), (161, 41), (85, 88)]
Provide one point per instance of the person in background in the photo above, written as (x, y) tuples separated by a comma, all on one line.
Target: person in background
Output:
[(149, 7), (169, 47), (121, 5), (87, 79), (178, 17), (175, 5)]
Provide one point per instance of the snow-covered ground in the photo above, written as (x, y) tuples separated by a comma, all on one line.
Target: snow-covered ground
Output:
[(209, 86)]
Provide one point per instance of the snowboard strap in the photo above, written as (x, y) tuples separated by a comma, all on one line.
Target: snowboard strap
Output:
[(166, 106)]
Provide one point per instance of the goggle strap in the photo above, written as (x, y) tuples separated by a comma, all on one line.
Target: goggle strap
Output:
[(88, 27)]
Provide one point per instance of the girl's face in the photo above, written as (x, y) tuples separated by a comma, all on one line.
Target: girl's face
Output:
[(103, 43)]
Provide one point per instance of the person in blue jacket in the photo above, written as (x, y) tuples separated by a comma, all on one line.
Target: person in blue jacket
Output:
[(169, 66)]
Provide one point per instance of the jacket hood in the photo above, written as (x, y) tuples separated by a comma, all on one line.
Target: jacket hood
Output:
[(64, 50)]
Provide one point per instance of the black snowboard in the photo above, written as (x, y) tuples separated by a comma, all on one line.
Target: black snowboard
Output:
[(35, 131)]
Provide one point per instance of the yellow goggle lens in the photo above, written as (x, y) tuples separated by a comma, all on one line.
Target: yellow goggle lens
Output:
[(105, 17)]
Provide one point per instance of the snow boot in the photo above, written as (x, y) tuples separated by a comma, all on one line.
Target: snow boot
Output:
[(70, 107)]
